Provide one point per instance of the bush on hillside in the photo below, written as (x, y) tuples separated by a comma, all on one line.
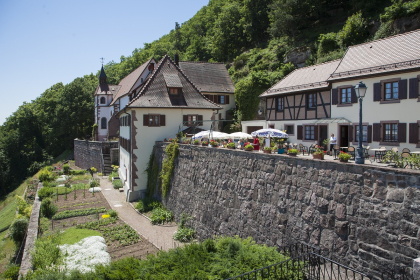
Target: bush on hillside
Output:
[(327, 43), (385, 30), (48, 208), (12, 272), (354, 31), (45, 192), (18, 229), (45, 175)]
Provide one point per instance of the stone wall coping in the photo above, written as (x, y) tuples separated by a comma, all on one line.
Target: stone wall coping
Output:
[(99, 142), (318, 162)]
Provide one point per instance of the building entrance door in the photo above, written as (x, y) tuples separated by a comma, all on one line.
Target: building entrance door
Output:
[(344, 136), (323, 134)]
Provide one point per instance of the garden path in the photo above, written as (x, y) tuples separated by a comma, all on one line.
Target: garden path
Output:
[(160, 236)]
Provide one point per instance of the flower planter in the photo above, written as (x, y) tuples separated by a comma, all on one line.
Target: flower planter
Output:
[(318, 156), (267, 151), (231, 148), (344, 160), (280, 151), (292, 155), (249, 150), (204, 145)]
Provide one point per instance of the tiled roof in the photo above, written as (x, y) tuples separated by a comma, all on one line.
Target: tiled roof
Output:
[(155, 93), (128, 82), (102, 75), (172, 80), (306, 78), (107, 89), (208, 77), (394, 53)]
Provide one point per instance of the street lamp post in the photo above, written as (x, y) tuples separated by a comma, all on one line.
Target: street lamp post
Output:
[(360, 89)]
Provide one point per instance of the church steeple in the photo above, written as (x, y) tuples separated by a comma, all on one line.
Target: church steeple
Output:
[(102, 76)]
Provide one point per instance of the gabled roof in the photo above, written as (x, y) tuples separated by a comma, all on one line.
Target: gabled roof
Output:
[(303, 79), (107, 89), (208, 77), (391, 54), (155, 94), (130, 80)]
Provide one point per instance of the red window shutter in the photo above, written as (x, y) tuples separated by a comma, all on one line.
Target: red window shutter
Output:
[(353, 95), (129, 120), (376, 133), (376, 92), (402, 89), (145, 120), (334, 96), (315, 132), (162, 120), (369, 134), (300, 132), (200, 118), (227, 99), (413, 129), (351, 134), (402, 132), (414, 88)]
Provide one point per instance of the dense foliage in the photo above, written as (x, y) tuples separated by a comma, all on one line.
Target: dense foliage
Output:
[(212, 259), (253, 38)]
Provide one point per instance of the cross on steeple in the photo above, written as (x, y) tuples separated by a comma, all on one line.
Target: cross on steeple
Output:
[(102, 60), (102, 76)]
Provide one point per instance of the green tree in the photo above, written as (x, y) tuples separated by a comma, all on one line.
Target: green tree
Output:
[(354, 31)]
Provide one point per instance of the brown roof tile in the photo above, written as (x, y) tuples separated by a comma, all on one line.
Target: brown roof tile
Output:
[(208, 77), (306, 78), (107, 89), (129, 81), (391, 54), (155, 94)]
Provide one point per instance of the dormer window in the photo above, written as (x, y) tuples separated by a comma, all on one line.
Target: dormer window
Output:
[(174, 91), (103, 100), (141, 80)]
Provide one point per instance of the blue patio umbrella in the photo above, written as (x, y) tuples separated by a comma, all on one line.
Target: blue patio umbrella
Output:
[(270, 132)]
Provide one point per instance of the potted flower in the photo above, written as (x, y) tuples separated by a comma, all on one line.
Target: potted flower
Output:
[(318, 154), (204, 143), (249, 147), (213, 143), (267, 150), (293, 152), (231, 145), (344, 157), (196, 142)]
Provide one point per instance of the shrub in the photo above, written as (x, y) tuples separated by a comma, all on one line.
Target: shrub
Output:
[(50, 184), (12, 272), (293, 151), (196, 142), (160, 215), (231, 145), (113, 174), (45, 175), (94, 170), (18, 229), (48, 208), (249, 147), (46, 253), (344, 156), (45, 192), (117, 184), (77, 172), (93, 183), (327, 43), (100, 174), (184, 234), (147, 204), (112, 213), (172, 151), (353, 32), (385, 30), (66, 168)]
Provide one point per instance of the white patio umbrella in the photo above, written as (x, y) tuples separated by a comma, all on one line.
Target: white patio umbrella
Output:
[(210, 135), (219, 135), (270, 132), (201, 134), (239, 135)]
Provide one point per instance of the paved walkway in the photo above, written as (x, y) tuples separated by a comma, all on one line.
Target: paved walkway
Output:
[(160, 236)]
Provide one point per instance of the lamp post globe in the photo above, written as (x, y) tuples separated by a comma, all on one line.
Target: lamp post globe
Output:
[(360, 89)]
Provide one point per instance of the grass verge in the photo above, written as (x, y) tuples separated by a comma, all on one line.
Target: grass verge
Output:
[(74, 235)]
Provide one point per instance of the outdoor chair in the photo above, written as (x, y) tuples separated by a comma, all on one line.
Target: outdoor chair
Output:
[(312, 149), (303, 149), (380, 154), (405, 150), (336, 149), (395, 149), (351, 151), (406, 155)]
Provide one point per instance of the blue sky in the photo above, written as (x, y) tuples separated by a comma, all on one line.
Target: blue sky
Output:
[(46, 42)]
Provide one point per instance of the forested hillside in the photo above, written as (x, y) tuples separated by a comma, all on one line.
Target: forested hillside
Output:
[(253, 38)]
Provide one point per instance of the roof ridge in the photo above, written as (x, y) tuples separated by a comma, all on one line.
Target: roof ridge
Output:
[(135, 70), (386, 38), (198, 62), (147, 62)]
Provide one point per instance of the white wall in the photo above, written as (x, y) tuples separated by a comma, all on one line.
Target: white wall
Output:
[(406, 111), (146, 137), (102, 111)]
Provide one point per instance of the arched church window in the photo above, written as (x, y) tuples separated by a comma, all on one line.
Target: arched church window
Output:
[(103, 101), (103, 123)]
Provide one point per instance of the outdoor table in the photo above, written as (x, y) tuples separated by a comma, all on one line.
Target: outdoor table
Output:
[(344, 148), (379, 153), (416, 152)]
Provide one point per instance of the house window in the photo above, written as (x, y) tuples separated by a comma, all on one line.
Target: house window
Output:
[(345, 94), (390, 132), (311, 100), (290, 129), (192, 119), (365, 133), (103, 100), (153, 120), (310, 132), (222, 99), (174, 91), (280, 104), (103, 123), (391, 91)]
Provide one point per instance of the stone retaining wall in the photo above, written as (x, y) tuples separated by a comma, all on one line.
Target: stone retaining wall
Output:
[(367, 217), (88, 154)]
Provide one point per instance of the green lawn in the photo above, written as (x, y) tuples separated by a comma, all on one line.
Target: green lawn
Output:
[(7, 250), (7, 214), (74, 235)]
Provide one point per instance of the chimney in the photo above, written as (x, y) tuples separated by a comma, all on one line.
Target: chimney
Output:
[(177, 59)]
